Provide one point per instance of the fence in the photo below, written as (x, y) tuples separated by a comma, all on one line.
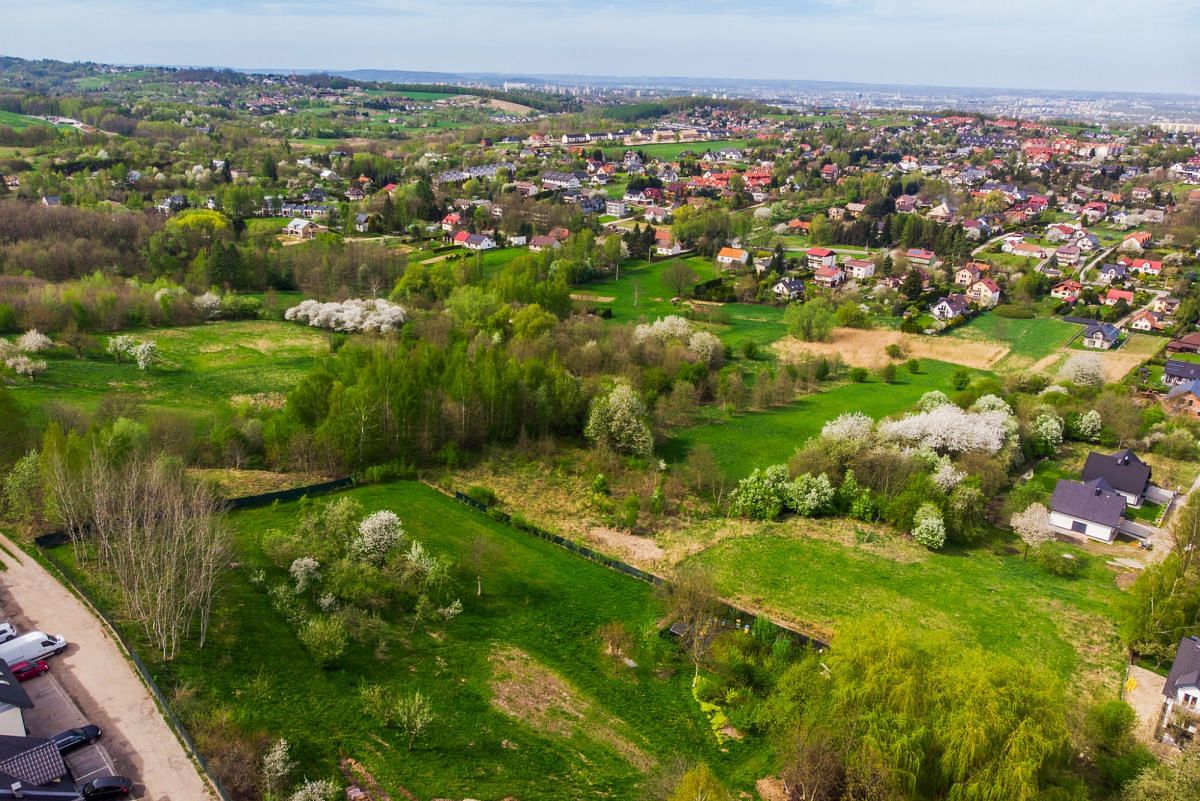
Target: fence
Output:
[(521, 524), (295, 493), (172, 720)]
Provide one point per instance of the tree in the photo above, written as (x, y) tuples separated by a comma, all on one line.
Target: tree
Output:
[(325, 638), (318, 790), (928, 527), (679, 278), (811, 321), (692, 605), (699, 784), (413, 715), (617, 421), (1033, 526), (1084, 369), (277, 765), (1175, 779)]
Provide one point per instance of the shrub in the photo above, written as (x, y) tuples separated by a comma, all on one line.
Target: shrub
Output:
[(913, 365), (887, 374), (760, 495), (481, 494), (325, 639), (894, 351), (1061, 563), (858, 374), (928, 527), (809, 496)]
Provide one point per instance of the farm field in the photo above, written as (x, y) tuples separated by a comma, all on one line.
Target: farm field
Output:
[(671, 150), (1029, 340), (9, 119), (867, 348), (202, 368), (758, 439), (526, 701), (1001, 603)]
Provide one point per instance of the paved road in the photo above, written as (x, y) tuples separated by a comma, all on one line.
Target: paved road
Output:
[(95, 673)]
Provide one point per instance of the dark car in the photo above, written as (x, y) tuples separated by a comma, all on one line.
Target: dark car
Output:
[(73, 738), (106, 787), (24, 671)]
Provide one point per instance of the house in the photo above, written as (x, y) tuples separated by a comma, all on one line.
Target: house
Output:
[(1101, 336), (1181, 691), (1067, 254), (820, 257), (539, 243), (1141, 266), (859, 268), (1028, 250), (855, 209), (1165, 306), (985, 292), (1146, 320), (1114, 296), (967, 275), (1067, 291), (905, 204), (975, 229), (949, 307), (171, 205), (51, 200), (789, 289), (1136, 242), (616, 208), (302, 228), (829, 276), (1111, 272), (451, 221), (362, 223), (13, 699), (1184, 398), (561, 180), (478, 242), (1176, 372), (665, 244), (1093, 509), (1188, 343), (830, 172), (941, 213), (732, 257), (656, 214), (560, 233), (32, 768), (1124, 472), (921, 256)]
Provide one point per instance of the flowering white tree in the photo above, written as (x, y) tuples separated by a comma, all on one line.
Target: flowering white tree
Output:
[(1084, 369), (991, 403), (305, 571), (33, 341), (1089, 425), (373, 315), (1047, 429), (618, 421), (928, 527), (277, 763), (664, 329), (810, 495), (707, 347), (1054, 389), (208, 304), (946, 476), (949, 429), (761, 495), (146, 355), (849, 427), (1033, 526), (25, 366), (316, 790), (379, 534), (121, 347), (933, 399)]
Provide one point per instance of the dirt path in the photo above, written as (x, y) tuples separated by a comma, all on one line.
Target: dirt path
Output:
[(95, 673)]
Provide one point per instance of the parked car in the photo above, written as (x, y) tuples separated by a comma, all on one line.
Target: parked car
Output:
[(24, 671), (32, 645), (105, 787), (7, 632), (71, 739)]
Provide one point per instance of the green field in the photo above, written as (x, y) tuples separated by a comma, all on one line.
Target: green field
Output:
[(671, 150), (1030, 339), (1001, 603), (537, 597), (640, 291), (744, 442), (202, 368), (9, 119)]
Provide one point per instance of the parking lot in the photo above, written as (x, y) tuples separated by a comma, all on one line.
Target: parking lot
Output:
[(54, 711)]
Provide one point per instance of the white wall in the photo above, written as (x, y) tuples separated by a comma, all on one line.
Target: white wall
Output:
[(1093, 530), (11, 721)]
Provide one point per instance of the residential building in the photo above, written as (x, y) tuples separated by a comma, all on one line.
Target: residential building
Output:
[(921, 257), (1124, 472), (732, 257), (1111, 272), (1181, 692), (1067, 291), (789, 289), (985, 292), (665, 244), (1146, 320), (1176, 371), (1101, 336), (829, 276), (1184, 398), (1092, 509), (859, 268), (820, 257), (966, 275), (1114, 296), (539, 243), (950, 307)]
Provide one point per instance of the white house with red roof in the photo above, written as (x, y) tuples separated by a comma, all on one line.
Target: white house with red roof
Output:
[(732, 257), (820, 257), (830, 276), (1115, 296), (985, 292)]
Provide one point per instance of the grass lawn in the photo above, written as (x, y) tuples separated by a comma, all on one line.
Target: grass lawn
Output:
[(758, 439), (1146, 513), (537, 598), (671, 150), (640, 291), (1000, 603), (9, 119), (202, 368), (1032, 339)]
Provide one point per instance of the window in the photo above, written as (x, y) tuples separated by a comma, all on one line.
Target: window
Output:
[(1189, 700), (1079, 526)]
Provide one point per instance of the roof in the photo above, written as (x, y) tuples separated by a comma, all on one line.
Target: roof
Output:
[(1122, 470), (1104, 330), (955, 302), (11, 691), (1093, 501), (1185, 672), (731, 253), (1186, 388), (33, 760), (820, 253), (1180, 369)]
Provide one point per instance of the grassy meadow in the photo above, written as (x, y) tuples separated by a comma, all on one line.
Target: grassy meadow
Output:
[(1030, 340), (202, 368), (575, 717), (744, 442), (671, 150), (10, 119)]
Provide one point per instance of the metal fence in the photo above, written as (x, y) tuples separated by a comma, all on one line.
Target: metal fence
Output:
[(172, 720), (521, 524)]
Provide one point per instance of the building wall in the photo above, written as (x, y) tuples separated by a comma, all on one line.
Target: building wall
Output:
[(11, 721), (1093, 530)]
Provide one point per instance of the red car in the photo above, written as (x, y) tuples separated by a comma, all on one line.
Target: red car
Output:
[(24, 671)]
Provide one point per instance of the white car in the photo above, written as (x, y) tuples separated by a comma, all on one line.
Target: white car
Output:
[(7, 632)]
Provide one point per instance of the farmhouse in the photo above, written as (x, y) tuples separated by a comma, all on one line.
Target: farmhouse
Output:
[(820, 257), (1091, 508), (949, 307), (1101, 336), (1125, 473), (1181, 692), (732, 257), (789, 289), (859, 268)]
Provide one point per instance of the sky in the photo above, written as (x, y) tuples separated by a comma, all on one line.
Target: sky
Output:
[(1146, 46)]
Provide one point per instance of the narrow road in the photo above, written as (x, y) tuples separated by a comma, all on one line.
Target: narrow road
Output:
[(104, 685)]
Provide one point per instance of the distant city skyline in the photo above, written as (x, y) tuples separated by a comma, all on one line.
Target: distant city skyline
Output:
[(1021, 44)]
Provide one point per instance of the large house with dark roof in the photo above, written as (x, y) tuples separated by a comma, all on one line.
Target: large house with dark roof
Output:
[(1091, 508), (1179, 372), (1181, 693), (1128, 475)]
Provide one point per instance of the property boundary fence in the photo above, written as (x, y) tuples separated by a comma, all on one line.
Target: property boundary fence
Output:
[(295, 493), (520, 524), (143, 671)]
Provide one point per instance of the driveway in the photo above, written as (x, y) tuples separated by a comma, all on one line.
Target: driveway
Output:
[(1143, 692), (103, 684)]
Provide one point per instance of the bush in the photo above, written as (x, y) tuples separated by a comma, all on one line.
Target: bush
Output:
[(325, 639), (1061, 563), (928, 527), (858, 374), (482, 495), (894, 351), (389, 471), (887, 374), (913, 365)]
